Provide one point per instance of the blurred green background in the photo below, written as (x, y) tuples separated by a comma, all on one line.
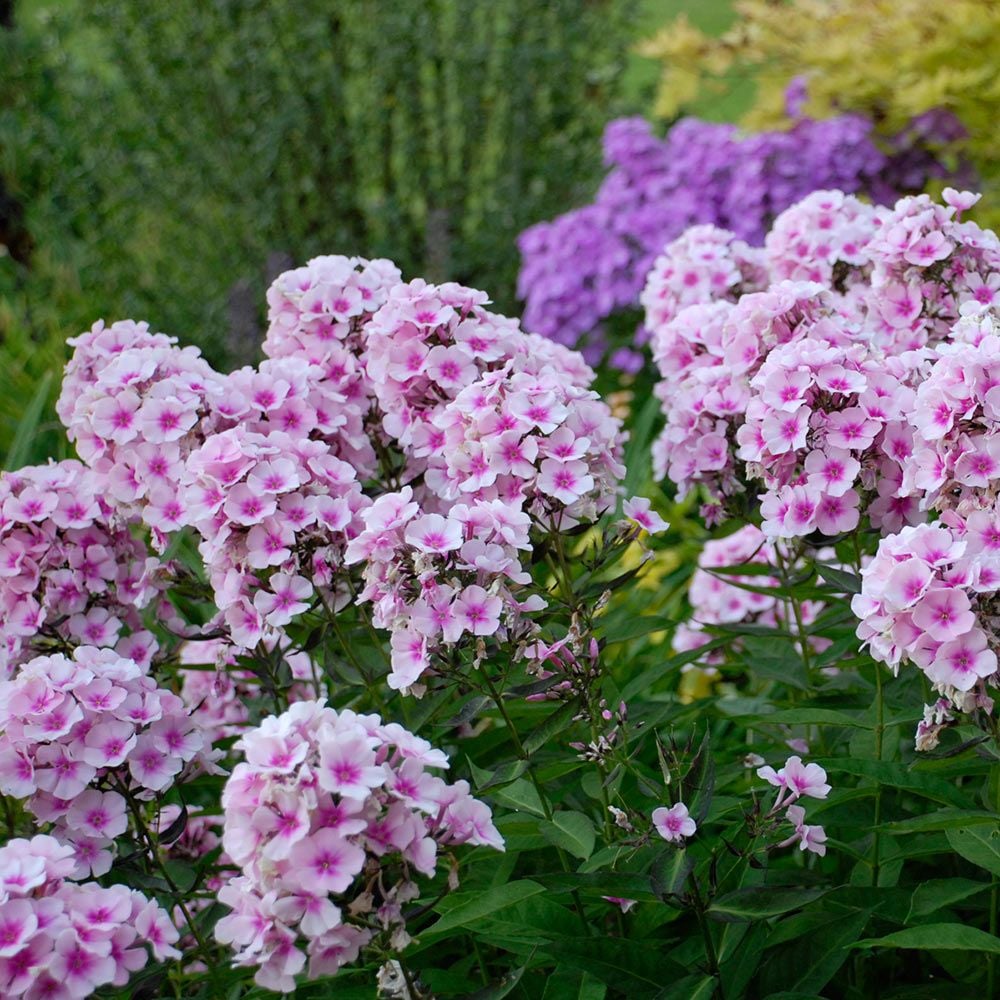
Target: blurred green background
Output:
[(165, 161)]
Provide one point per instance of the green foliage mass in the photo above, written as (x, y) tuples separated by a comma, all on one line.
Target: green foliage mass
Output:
[(170, 158)]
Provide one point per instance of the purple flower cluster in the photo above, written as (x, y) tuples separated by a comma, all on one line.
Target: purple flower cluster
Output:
[(583, 266)]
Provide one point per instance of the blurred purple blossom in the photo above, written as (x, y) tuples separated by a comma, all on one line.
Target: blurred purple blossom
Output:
[(589, 263)]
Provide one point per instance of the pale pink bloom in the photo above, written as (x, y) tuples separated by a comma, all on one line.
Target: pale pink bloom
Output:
[(674, 824), (434, 533), (565, 481), (288, 597), (944, 613), (638, 510), (809, 838), (797, 778), (477, 611), (325, 862), (962, 662)]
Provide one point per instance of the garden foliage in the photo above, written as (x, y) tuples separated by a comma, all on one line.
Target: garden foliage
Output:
[(880, 59), (169, 160), (365, 661)]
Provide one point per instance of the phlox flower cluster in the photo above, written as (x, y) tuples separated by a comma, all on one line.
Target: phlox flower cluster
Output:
[(64, 940), (70, 572), (929, 597), (425, 346), (794, 781), (78, 735), (823, 238), (580, 268), (329, 818), (135, 404), (808, 386), (825, 432), (704, 264), (274, 512), (707, 356), (274, 465), (926, 263), (318, 313), (720, 600), (433, 579), (955, 459)]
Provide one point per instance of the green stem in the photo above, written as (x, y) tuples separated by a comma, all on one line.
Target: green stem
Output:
[(8, 815), (539, 789), (991, 961), (706, 933), (879, 732), (144, 832)]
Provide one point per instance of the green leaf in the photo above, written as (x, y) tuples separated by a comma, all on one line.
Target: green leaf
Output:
[(27, 428), (635, 627), (936, 893), (936, 937), (670, 872), (978, 844), (943, 819), (809, 717), (624, 885), (633, 968), (555, 723), (505, 774), (572, 831), (698, 784), (500, 989), (473, 907), (899, 776), (639, 685), (846, 583), (697, 987), (522, 796), (761, 901), (808, 963), (570, 984)]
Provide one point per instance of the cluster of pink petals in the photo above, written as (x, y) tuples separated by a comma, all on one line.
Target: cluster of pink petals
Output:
[(929, 597), (78, 734), (63, 940), (435, 578), (70, 573), (318, 313), (794, 781), (823, 238), (926, 264), (720, 600), (274, 512), (707, 355), (325, 808), (526, 436), (135, 404), (704, 264), (955, 459), (876, 285), (826, 432), (274, 465)]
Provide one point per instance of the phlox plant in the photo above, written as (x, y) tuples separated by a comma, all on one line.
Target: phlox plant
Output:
[(582, 272), (370, 669)]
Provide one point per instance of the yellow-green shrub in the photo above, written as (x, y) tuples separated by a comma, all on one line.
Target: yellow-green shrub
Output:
[(888, 59)]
